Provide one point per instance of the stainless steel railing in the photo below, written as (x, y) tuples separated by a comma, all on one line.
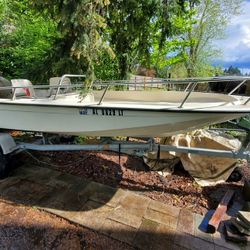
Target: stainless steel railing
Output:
[(190, 82), (62, 79)]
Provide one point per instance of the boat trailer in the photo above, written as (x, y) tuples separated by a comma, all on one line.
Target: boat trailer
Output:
[(9, 146)]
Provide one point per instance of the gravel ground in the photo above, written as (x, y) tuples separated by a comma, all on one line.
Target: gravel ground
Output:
[(26, 228)]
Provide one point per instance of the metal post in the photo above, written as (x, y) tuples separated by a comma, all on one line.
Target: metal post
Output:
[(247, 101), (186, 89), (14, 94), (190, 91), (230, 93), (103, 95)]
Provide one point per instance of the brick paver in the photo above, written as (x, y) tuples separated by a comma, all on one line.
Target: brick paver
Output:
[(198, 232), (105, 198), (135, 204), (119, 231), (163, 208), (92, 215), (186, 221), (162, 218), (145, 236), (120, 214), (190, 242)]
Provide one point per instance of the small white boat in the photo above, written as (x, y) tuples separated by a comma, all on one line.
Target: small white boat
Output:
[(119, 113)]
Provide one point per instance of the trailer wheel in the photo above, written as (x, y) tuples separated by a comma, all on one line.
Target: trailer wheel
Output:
[(235, 176), (3, 166)]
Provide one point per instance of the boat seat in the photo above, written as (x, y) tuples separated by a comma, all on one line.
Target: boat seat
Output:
[(5, 83), (27, 87), (54, 81)]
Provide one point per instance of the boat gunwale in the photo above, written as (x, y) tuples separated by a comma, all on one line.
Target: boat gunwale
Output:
[(96, 106), (228, 105)]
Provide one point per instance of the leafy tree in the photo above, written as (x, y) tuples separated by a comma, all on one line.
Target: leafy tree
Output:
[(107, 68), (212, 17), (140, 31), (80, 24), (170, 51), (84, 36), (25, 40), (129, 24), (232, 71), (125, 26)]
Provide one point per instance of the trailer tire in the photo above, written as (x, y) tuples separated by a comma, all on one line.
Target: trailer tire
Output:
[(3, 166), (235, 176)]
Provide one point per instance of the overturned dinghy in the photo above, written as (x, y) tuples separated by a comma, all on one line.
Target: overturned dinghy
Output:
[(206, 170)]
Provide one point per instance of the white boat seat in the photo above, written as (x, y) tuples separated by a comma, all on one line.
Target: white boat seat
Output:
[(26, 90), (54, 81)]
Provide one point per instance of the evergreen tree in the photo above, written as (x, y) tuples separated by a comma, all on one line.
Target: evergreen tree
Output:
[(233, 71)]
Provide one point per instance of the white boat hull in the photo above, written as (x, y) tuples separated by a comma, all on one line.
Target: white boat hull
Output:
[(120, 113), (106, 121)]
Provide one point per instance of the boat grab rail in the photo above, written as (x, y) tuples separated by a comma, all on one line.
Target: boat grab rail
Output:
[(188, 94), (62, 79), (237, 87), (193, 82)]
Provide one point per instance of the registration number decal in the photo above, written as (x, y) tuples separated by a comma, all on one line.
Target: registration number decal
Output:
[(102, 112)]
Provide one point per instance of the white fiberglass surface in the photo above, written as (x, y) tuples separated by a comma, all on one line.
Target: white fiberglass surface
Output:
[(137, 99)]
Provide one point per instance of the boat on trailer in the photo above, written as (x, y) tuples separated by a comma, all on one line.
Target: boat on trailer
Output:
[(104, 111)]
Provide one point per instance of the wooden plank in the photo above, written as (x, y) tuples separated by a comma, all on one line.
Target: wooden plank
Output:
[(214, 222)]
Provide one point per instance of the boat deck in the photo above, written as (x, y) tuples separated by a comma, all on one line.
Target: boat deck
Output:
[(153, 100)]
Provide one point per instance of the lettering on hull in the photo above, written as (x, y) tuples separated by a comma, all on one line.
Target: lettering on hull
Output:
[(101, 112)]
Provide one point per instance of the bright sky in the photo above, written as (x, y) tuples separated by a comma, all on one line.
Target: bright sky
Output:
[(236, 46)]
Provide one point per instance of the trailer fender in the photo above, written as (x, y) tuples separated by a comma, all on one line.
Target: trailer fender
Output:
[(7, 143)]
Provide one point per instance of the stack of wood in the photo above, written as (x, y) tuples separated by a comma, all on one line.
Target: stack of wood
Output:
[(237, 229)]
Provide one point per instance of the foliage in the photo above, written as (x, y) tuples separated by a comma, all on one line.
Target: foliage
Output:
[(144, 32), (232, 71), (107, 39), (170, 51), (129, 30), (203, 70), (80, 24), (212, 17), (107, 68), (25, 39)]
